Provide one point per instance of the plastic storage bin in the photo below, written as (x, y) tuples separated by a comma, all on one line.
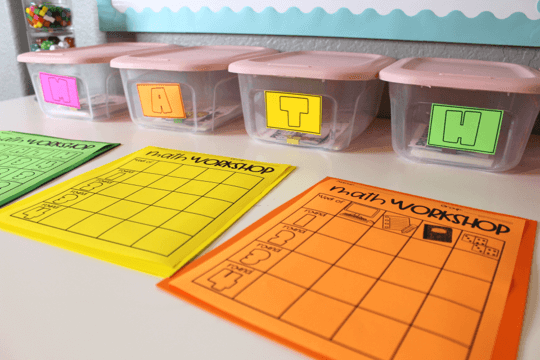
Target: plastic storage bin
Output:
[(469, 113), (186, 89), (79, 82), (310, 98)]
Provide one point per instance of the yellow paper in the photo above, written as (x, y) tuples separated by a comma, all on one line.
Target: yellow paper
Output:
[(350, 271), (294, 112), (151, 211)]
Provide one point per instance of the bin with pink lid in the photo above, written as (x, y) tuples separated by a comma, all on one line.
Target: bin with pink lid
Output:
[(184, 89), (79, 82), (317, 99), (468, 113)]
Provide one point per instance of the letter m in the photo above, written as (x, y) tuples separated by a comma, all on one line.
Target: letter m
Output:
[(461, 127), (59, 89)]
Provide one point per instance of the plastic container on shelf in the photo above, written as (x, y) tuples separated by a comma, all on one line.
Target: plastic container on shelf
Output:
[(310, 98), (185, 89), (79, 83), (469, 113), (49, 25)]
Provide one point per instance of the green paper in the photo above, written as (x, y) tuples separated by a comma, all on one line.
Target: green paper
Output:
[(465, 128), (28, 161)]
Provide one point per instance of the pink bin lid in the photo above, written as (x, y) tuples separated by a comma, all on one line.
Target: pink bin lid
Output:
[(328, 65), (197, 58), (464, 74), (97, 54)]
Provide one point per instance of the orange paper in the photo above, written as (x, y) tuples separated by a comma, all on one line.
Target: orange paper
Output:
[(161, 100), (349, 271)]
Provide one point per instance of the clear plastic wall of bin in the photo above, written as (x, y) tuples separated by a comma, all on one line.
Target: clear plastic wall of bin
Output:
[(99, 90), (411, 108), (348, 107), (210, 98)]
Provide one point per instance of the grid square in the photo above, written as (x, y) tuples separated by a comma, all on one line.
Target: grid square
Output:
[(208, 207), (177, 201), (365, 261), (344, 285), (161, 241), (95, 203), (327, 204), (323, 248), (393, 301), (411, 274), (448, 319), (123, 209), (168, 183), (154, 216), (120, 190), (344, 229), (299, 269), (187, 171), (308, 219), (65, 218), (142, 179), (260, 256), (371, 334), (425, 252), (126, 233), (270, 295), (286, 236), (138, 164), (148, 195), (318, 313), (162, 168), (227, 193), (243, 180), (214, 175), (187, 223), (433, 347), (471, 264), (424, 234), (196, 187), (94, 225), (384, 241), (461, 289)]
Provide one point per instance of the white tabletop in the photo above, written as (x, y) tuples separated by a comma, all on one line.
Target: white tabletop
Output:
[(56, 304)]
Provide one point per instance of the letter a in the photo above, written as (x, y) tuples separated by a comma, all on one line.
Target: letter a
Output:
[(461, 127), (160, 102), (59, 89)]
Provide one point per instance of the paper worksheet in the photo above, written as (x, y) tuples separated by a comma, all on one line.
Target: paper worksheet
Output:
[(151, 211), (28, 160), (350, 271)]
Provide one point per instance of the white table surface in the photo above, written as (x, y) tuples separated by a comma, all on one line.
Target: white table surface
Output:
[(56, 304)]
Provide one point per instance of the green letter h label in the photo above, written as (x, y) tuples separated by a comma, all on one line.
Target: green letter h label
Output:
[(464, 128)]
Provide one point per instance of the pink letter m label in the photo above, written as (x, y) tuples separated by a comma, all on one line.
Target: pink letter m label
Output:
[(60, 90)]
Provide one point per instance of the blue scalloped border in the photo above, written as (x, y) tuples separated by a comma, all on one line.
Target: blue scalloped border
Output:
[(517, 29)]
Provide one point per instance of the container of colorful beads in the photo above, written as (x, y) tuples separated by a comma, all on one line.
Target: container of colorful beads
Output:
[(79, 83), (49, 25)]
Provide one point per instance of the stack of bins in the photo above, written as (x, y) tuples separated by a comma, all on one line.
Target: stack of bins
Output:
[(185, 89), (311, 98), (468, 113), (79, 83)]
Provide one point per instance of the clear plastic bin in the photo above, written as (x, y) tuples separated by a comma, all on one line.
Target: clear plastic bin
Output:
[(79, 83), (467, 113), (310, 98), (186, 89)]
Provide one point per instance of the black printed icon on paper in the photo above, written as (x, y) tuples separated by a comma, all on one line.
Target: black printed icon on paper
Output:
[(255, 256), (225, 279), (360, 213), (398, 223), (437, 233), (282, 237), (35, 212)]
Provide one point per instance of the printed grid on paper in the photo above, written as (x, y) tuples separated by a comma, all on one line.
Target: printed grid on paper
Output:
[(150, 205), (352, 274)]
